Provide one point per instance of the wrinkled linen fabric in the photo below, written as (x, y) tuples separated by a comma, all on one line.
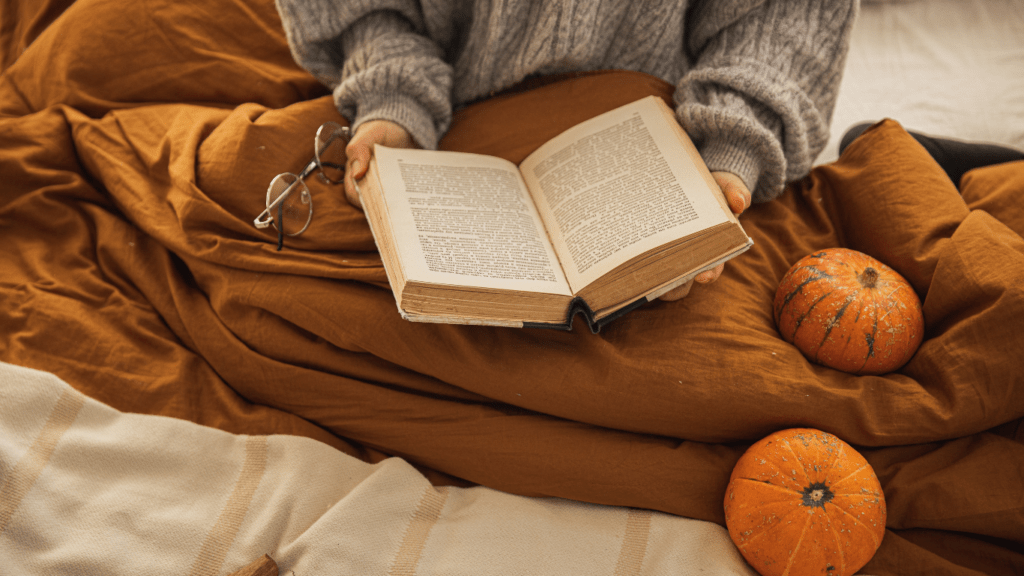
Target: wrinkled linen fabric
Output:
[(179, 498), (136, 144)]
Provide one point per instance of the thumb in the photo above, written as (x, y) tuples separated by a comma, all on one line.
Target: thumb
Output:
[(358, 152), (735, 190), (358, 161)]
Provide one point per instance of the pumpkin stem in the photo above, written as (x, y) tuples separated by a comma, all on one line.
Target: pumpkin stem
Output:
[(817, 494), (868, 277)]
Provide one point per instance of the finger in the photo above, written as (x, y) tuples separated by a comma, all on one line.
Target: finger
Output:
[(738, 199), (358, 161), (735, 190), (358, 152), (710, 275), (350, 192), (677, 293)]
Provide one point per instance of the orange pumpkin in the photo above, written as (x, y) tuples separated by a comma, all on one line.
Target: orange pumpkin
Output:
[(846, 310), (804, 502)]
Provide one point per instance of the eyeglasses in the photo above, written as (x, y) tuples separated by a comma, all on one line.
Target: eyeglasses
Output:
[(289, 202)]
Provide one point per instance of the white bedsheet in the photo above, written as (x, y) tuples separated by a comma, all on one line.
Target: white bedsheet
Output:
[(941, 67), (88, 490)]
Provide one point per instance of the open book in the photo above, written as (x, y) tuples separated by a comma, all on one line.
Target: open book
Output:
[(610, 214)]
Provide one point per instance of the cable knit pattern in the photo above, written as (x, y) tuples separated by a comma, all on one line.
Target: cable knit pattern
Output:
[(756, 79), (759, 98), (392, 73)]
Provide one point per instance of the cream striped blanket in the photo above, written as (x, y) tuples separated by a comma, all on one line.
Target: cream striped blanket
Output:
[(87, 490)]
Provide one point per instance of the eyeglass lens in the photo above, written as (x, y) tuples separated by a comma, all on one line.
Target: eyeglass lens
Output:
[(293, 215), (331, 140)]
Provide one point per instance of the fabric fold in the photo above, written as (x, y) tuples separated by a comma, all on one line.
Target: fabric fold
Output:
[(132, 271)]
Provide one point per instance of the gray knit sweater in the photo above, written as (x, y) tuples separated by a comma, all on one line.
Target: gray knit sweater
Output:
[(756, 80)]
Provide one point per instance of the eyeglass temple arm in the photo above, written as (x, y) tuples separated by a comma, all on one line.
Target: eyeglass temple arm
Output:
[(345, 132), (266, 218)]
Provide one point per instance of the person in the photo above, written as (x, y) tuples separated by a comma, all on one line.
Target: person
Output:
[(756, 80)]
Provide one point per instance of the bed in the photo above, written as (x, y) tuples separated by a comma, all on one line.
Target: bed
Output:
[(172, 382)]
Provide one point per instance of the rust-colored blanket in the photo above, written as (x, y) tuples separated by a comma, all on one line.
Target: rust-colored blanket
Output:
[(136, 143)]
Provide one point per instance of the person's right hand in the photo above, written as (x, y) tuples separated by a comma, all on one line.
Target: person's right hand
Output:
[(360, 148), (738, 197)]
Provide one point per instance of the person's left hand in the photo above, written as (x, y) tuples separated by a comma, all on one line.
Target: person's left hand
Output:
[(738, 197)]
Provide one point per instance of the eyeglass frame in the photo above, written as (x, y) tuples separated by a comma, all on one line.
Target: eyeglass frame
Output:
[(266, 218)]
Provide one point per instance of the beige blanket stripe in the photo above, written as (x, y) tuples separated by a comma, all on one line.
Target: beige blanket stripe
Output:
[(218, 541), (423, 520), (30, 466), (634, 543)]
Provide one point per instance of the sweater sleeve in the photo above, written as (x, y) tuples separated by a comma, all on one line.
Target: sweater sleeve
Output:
[(375, 56), (759, 96)]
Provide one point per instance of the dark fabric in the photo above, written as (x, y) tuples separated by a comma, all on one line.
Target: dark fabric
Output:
[(131, 172), (956, 157)]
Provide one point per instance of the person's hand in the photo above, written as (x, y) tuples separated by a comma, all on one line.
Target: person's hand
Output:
[(738, 197), (360, 148)]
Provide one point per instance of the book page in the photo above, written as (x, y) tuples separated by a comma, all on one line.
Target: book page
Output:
[(617, 186), (466, 220)]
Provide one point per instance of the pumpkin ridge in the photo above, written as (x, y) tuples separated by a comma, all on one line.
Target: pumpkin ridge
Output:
[(799, 542), (871, 352), (858, 521), (832, 323), (837, 541), (874, 325), (800, 320), (830, 463), (863, 306), (818, 275), (891, 307), (848, 476), (866, 299), (789, 490), (750, 539), (858, 499), (870, 338), (796, 458), (764, 523)]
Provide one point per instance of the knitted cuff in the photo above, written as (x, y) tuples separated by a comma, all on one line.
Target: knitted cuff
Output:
[(723, 156), (403, 110)]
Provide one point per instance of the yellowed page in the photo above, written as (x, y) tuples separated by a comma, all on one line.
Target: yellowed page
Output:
[(466, 220), (617, 186)]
